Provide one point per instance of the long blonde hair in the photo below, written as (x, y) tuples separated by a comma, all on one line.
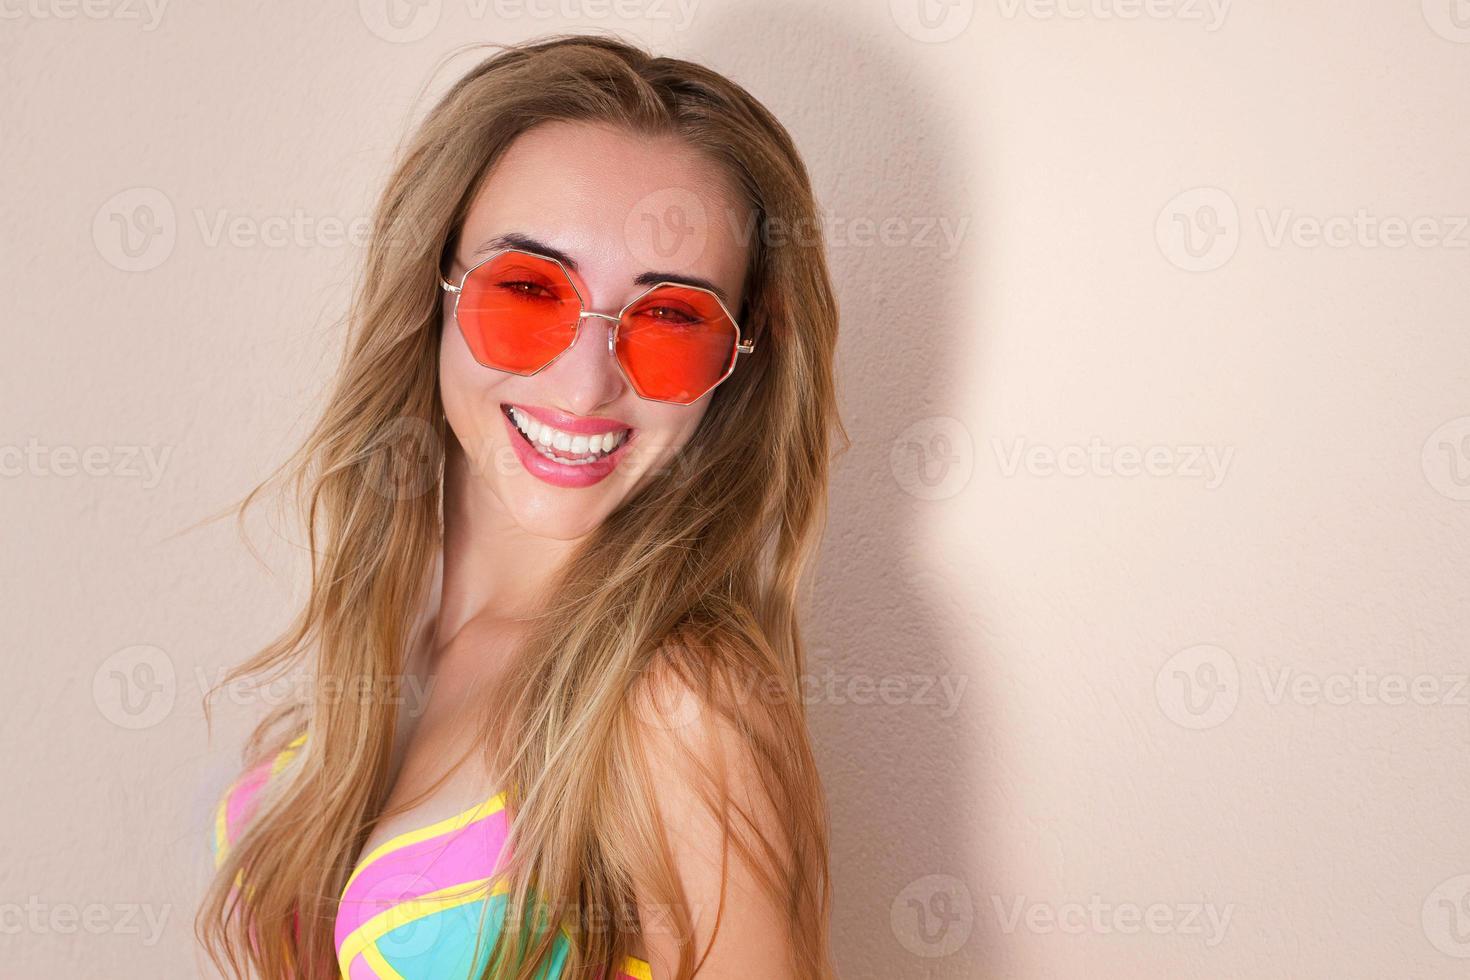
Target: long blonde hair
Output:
[(698, 573)]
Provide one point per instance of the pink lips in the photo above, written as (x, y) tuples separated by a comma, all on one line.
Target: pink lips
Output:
[(561, 474)]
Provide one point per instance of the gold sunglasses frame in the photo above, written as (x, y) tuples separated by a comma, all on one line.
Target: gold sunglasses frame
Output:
[(742, 346)]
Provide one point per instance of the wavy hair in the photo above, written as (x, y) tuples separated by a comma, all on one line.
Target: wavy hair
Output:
[(697, 576)]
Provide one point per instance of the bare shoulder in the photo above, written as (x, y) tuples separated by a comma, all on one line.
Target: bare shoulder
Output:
[(717, 741), (718, 714)]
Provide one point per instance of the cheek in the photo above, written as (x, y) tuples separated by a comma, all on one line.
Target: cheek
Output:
[(675, 428), (467, 388)]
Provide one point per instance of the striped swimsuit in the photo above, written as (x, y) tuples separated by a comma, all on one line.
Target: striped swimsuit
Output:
[(412, 908)]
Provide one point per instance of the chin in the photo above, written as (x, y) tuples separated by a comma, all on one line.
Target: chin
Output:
[(547, 513)]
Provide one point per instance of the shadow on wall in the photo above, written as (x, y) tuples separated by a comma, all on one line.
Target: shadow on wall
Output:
[(895, 709)]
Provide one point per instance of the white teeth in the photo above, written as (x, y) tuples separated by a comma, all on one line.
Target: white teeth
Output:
[(581, 448)]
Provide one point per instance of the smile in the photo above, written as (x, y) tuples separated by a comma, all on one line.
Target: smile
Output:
[(560, 457), (567, 448)]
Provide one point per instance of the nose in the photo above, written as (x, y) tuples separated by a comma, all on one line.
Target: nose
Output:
[(587, 376), (611, 349)]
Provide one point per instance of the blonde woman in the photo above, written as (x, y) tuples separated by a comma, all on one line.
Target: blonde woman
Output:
[(568, 482)]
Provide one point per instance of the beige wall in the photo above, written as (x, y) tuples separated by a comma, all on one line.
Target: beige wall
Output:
[(1140, 629)]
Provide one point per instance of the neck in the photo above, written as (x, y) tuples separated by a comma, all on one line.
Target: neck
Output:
[(494, 571)]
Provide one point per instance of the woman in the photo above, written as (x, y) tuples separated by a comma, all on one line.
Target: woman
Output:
[(560, 506)]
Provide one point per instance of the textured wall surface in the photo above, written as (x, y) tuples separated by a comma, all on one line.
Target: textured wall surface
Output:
[(1139, 636)]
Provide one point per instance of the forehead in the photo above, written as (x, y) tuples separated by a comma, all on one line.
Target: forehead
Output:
[(618, 202)]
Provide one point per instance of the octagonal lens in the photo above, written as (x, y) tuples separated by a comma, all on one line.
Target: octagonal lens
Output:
[(517, 312)]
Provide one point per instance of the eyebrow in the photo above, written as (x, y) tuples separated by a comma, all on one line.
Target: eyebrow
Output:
[(526, 243)]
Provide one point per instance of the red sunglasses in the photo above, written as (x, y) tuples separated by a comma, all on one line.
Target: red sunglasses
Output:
[(519, 311)]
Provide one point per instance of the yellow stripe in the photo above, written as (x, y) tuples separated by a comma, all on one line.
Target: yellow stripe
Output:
[(381, 967), (221, 832), (412, 910), (221, 813), (632, 965), (464, 818), (637, 969), (282, 760), (364, 939)]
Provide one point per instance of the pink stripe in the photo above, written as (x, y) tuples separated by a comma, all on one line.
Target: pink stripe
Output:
[(358, 969), (243, 799), (468, 854), (465, 855)]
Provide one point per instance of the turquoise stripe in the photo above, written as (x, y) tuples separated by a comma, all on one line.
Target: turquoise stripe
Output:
[(439, 945)]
